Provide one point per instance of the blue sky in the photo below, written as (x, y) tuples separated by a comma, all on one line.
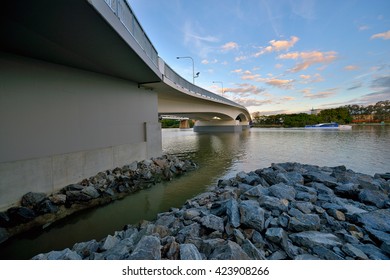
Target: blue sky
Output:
[(276, 56)]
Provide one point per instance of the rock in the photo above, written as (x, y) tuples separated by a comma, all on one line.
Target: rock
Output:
[(229, 251), (72, 187), (325, 253), (303, 222), (32, 199), (252, 215), (373, 197), (354, 252), (91, 191), (290, 178), (305, 207), (189, 214), (46, 206), (232, 212), (385, 176), (58, 199), (189, 252), (20, 215), (251, 250), (173, 251), (348, 190), (65, 254), (109, 242), (310, 239), (373, 252), (338, 215), (305, 257), (321, 177), (212, 222), (148, 248), (77, 196), (378, 219), (208, 245), (85, 249), (4, 235), (273, 203), (278, 255), (278, 236), (190, 231), (4, 219), (283, 191), (305, 196)]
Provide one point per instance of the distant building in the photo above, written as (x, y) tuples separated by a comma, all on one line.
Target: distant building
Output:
[(315, 111)]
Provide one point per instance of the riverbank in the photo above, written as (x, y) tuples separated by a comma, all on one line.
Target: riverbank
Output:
[(40, 210), (286, 211)]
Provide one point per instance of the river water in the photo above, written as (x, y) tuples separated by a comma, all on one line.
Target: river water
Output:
[(364, 149)]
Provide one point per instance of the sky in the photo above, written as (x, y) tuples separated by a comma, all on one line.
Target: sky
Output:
[(276, 56)]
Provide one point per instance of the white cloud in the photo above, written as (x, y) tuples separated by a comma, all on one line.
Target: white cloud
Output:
[(322, 94), (277, 46), (309, 58), (384, 35), (351, 67), (229, 46)]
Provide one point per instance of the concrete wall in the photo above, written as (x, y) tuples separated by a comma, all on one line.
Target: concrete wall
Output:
[(59, 125)]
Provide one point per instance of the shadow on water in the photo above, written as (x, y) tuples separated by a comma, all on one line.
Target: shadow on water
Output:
[(214, 154)]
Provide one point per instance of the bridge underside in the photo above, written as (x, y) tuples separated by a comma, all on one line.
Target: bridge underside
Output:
[(210, 116)]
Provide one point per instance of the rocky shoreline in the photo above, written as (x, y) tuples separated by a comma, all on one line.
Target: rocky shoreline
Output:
[(287, 211), (40, 209)]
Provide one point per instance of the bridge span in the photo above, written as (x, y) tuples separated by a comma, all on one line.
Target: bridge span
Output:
[(81, 91)]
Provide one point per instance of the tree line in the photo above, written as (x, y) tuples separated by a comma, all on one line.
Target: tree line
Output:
[(342, 115)]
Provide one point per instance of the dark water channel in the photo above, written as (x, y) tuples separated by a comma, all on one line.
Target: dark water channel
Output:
[(364, 149)]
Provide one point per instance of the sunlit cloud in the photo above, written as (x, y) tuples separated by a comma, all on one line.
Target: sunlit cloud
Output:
[(245, 90), (239, 58), (363, 27), (280, 83), (305, 77), (278, 66), (206, 61), (384, 35), (237, 71), (309, 58), (322, 94), (229, 46), (277, 46), (251, 77), (351, 67), (249, 102)]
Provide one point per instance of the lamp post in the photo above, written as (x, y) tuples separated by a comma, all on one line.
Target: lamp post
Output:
[(193, 68), (221, 86)]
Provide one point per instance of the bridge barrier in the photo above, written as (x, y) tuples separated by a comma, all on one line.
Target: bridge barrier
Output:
[(123, 11)]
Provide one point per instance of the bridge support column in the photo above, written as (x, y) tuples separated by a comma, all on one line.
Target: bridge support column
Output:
[(184, 124), (218, 126)]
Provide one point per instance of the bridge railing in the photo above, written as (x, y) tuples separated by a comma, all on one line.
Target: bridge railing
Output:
[(123, 11), (180, 81)]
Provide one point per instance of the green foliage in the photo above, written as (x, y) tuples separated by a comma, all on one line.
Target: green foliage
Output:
[(166, 123), (380, 111), (340, 115)]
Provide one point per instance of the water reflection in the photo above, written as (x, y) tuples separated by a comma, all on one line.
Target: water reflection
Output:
[(364, 149)]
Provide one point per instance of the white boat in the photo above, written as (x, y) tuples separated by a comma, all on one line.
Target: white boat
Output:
[(332, 125)]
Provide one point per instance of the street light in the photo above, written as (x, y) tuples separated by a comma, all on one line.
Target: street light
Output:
[(193, 68), (221, 84)]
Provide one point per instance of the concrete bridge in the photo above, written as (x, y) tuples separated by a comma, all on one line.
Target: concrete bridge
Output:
[(81, 91)]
